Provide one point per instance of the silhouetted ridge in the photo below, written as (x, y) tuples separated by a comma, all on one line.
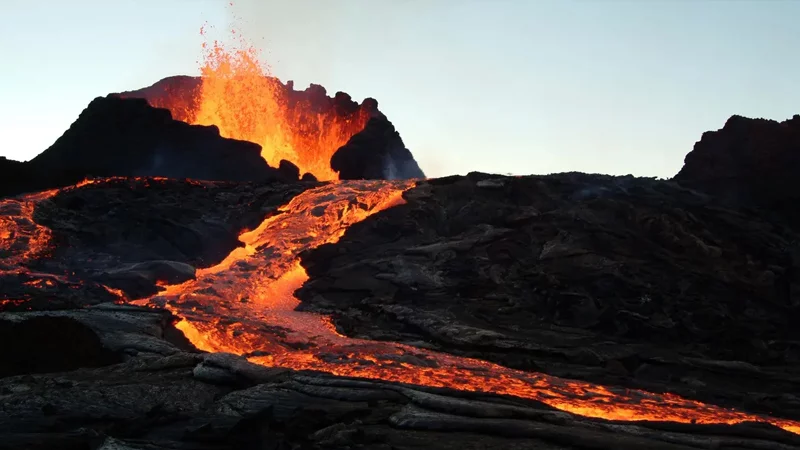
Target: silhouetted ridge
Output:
[(127, 137), (749, 162)]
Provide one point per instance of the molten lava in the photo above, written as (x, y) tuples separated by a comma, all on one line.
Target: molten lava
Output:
[(21, 238), (237, 95), (245, 305)]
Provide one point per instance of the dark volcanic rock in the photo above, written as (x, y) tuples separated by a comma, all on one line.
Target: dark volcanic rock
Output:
[(140, 279), (624, 280), (127, 137), (179, 92), (749, 162), (16, 177), (49, 344), (377, 152), (289, 169)]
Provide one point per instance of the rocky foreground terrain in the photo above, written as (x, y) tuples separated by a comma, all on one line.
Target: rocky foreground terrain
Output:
[(614, 280), (567, 311)]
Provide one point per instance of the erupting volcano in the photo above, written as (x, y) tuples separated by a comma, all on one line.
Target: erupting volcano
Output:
[(331, 296), (237, 94)]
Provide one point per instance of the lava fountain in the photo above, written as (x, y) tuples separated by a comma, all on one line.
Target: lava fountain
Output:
[(237, 94), (245, 305)]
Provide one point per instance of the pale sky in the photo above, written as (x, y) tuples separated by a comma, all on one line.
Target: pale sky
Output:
[(503, 86)]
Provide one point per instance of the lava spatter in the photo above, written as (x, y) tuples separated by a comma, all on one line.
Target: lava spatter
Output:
[(238, 95), (245, 305)]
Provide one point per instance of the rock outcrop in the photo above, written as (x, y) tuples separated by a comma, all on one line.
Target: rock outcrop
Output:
[(16, 177), (376, 153), (749, 162), (128, 137)]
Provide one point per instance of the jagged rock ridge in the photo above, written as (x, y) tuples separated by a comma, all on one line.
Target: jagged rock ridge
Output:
[(749, 162), (128, 137)]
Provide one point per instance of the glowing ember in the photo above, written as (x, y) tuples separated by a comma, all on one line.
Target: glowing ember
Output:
[(245, 305), (238, 95)]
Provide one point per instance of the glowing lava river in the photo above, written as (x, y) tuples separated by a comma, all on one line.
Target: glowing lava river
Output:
[(245, 305)]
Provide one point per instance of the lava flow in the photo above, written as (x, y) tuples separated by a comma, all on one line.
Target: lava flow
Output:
[(238, 95), (21, 238), (245, 305)]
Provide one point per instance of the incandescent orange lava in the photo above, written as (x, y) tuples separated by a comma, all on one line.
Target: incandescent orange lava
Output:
[(238, 96), (21, 238), (245, 305)]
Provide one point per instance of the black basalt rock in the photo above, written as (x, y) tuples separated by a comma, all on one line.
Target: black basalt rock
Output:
[(117, 136), (49, 344), (377, 152), (750, 163)]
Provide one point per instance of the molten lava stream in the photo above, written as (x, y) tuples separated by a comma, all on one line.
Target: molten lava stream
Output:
[(245, 305), (21, 238)]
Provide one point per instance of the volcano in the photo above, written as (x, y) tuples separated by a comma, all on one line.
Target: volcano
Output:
[(226, 262)]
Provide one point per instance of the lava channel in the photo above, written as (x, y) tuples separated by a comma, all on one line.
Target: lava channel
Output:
[(245, 305), (21, 238)]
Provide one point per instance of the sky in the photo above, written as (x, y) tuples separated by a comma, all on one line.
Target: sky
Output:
[(501, 86)]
